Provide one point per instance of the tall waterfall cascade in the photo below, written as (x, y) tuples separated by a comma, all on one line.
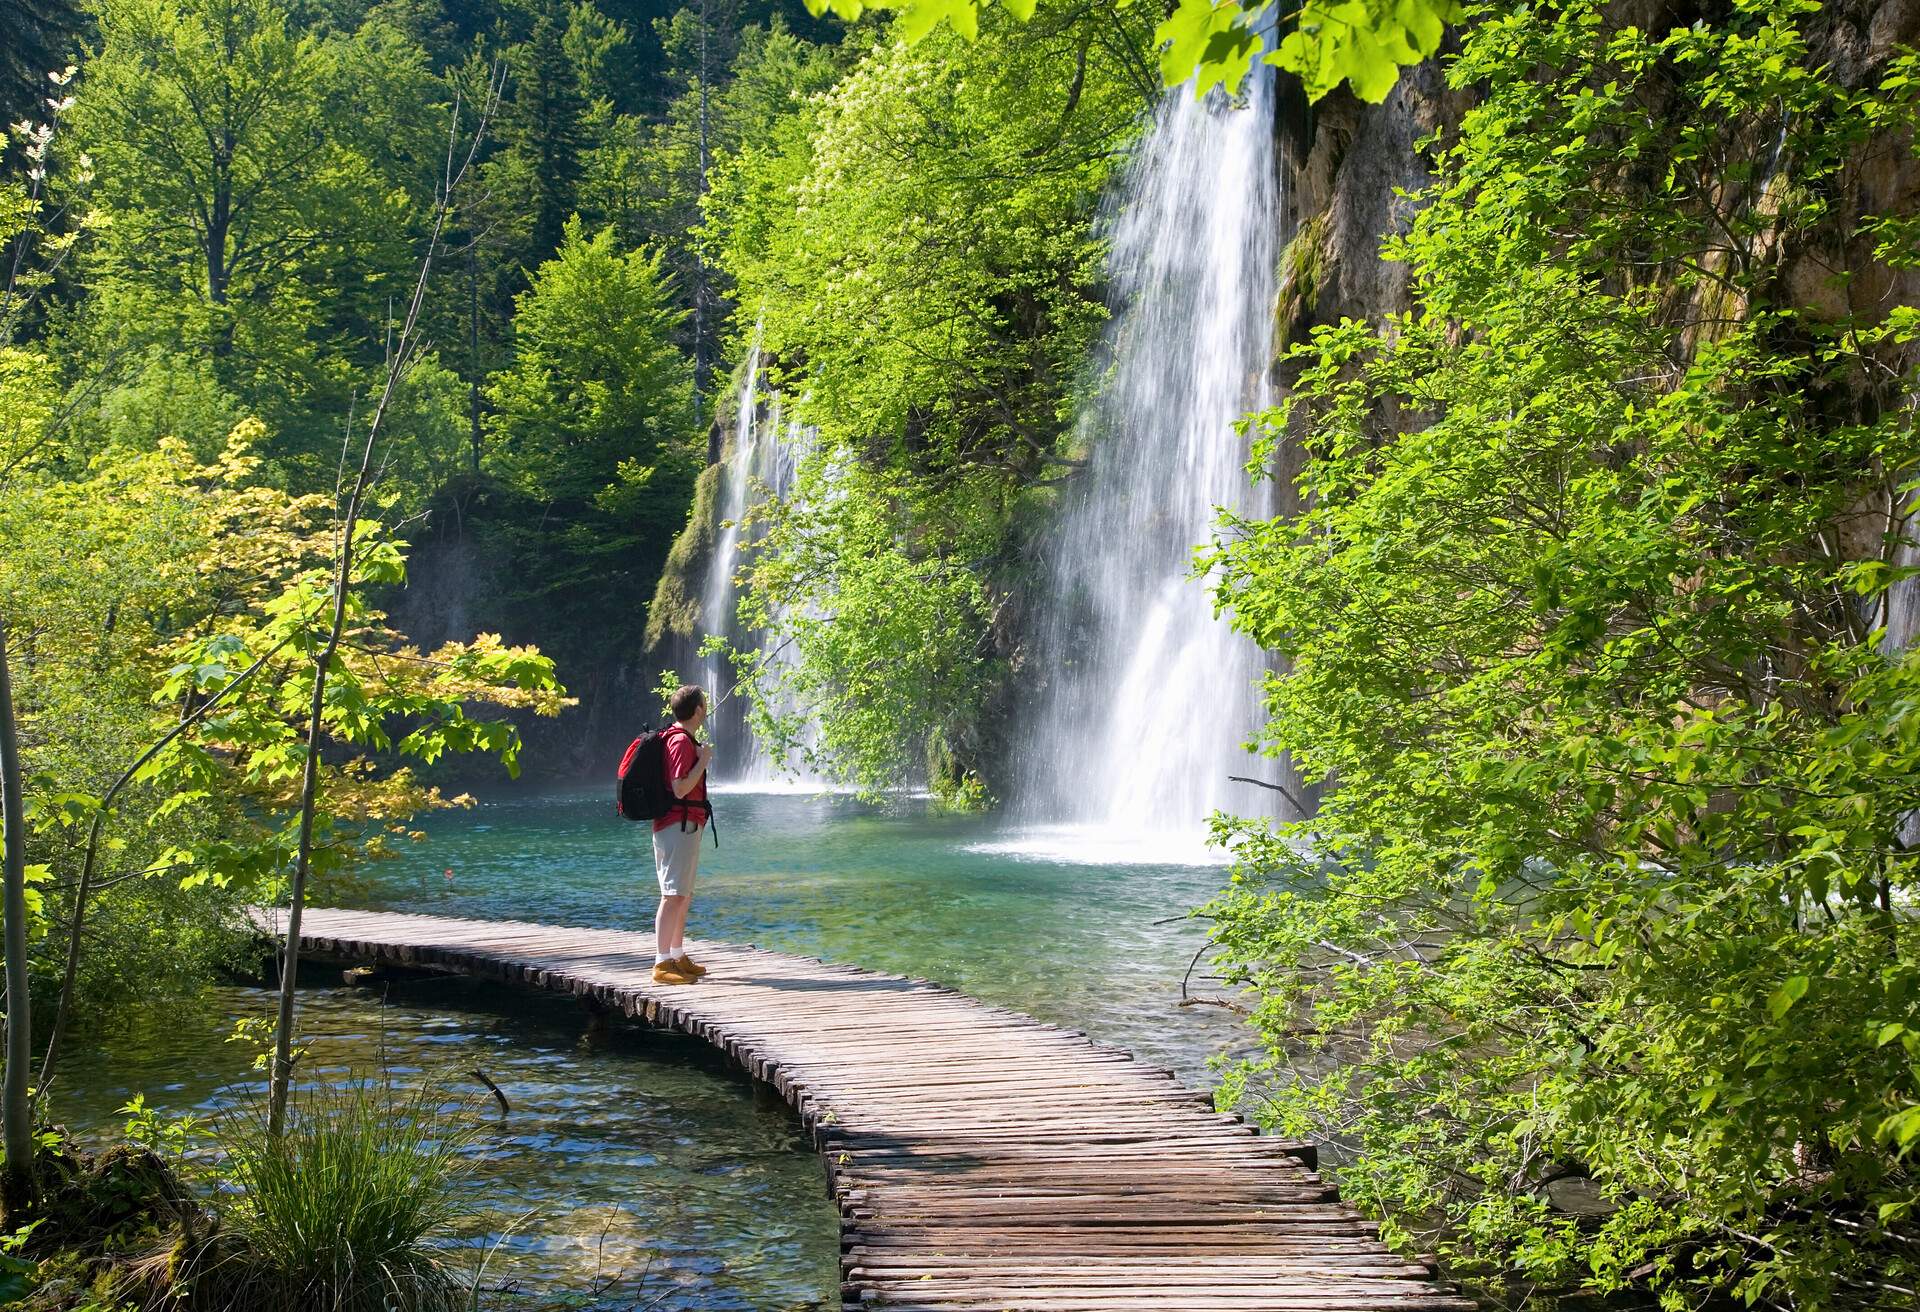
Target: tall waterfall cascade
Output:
[(763, 462), (1151, 696)]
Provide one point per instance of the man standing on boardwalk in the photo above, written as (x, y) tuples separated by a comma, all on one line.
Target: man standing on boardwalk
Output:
[(676, 836)]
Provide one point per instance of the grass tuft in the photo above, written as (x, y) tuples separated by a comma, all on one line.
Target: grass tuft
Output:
[(341, 1213)]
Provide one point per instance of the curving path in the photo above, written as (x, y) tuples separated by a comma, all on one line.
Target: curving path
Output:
[(981, 1159)]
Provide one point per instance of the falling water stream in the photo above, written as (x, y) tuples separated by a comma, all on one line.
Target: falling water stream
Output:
[(1150, 695), (763, 461)]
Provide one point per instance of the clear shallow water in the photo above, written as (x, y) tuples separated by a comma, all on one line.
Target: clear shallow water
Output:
[(993, 911), (635, 1169), (648, 1144)]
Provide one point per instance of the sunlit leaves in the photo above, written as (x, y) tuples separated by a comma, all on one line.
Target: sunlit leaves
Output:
[(29, 405), (152, 584), (1210, 43), (1362, 43), (919, 17), (1781, 1000)]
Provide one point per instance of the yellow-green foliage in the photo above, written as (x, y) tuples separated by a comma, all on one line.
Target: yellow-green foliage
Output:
[(144, 585)]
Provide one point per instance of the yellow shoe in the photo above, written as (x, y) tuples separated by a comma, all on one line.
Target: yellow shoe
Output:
[(669, 972), (686, 965)]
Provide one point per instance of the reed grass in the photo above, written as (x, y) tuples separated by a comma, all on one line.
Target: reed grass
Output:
[(341, 1212)]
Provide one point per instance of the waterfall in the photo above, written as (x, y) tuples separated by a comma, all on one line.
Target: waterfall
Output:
[(762, 461), (1902, 620), (717, 600), (1150, 695)]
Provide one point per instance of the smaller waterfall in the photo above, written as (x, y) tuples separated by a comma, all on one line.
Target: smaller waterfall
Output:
[(762, 462), (717, 601)]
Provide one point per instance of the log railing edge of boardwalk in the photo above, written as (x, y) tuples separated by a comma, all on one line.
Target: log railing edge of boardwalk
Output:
[(982, 1160)]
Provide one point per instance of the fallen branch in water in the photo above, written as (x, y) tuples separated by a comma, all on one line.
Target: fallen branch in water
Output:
[(498, 1096), (1227, 1003)]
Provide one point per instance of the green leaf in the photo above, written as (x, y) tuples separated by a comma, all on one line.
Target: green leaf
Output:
[(920, 17), (1900, 1129), (1226, 61), (1783, 998), (1185, 35)]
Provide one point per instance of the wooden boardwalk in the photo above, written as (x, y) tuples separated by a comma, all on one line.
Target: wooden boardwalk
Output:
[(980, 1159)]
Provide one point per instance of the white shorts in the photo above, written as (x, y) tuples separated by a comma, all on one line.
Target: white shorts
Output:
[(676, 858)]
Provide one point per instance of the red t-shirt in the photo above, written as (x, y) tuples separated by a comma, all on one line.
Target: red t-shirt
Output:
[(683, 755)]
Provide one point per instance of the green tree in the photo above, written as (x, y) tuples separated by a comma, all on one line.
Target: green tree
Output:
[(596, 382), (591, 422), (244, 169), (541, 126), (920, 248), (601, 55), (874, 671), (1600, 946), (736, 86), (136, 596), (482, 273)]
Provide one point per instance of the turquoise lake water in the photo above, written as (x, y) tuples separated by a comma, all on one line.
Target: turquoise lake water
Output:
[(640, 1166)]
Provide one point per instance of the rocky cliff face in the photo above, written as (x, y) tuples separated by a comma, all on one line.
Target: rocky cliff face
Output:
[(1343, 161), (1342, 164)]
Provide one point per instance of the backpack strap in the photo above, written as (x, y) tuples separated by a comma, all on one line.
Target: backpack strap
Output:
[(688, 805)]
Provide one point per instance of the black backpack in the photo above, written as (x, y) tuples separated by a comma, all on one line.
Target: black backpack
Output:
[(642, 791)]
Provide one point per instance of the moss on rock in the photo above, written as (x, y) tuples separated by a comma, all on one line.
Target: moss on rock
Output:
[(1299, 282), (675, 612)]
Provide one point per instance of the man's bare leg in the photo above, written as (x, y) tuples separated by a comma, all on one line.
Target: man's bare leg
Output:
[(669, 923)]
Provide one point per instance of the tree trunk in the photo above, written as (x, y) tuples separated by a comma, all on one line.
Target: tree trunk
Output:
[(702, 356), (219, 227), (219, 270), (473, 353), (16, 1112), (278, 1080)]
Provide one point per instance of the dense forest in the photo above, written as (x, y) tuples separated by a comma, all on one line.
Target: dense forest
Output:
[(220, 218), (1587, 598)]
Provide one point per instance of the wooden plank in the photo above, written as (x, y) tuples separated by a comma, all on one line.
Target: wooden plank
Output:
[(982, 1161)]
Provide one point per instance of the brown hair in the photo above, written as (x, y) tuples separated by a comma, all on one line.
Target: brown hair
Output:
[(686, 699)]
